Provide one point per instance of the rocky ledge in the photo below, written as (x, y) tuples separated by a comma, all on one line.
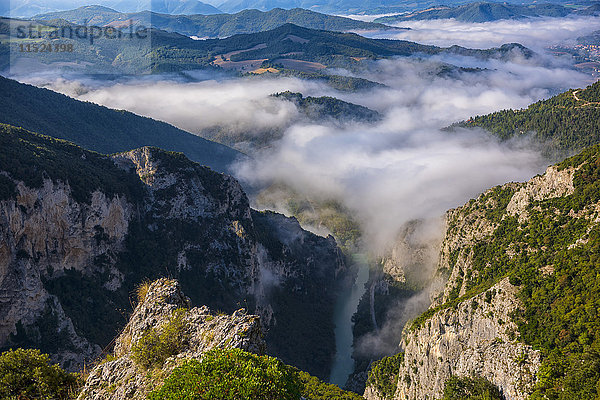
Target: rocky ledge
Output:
[(125, 375)]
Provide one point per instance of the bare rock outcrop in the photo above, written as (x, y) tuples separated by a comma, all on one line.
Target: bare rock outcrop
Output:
[(554, 182), (121, 377)]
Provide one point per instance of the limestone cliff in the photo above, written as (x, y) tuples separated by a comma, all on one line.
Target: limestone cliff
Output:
[(120, 377), (475, 323), (80, 231), (476, 337), (44, 232), (479, 219)]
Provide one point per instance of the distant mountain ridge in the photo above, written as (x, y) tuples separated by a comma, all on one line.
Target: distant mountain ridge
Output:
[(348, 7), (487, 12), (174, 7), (288, 47), (28, 8), (211, 26)]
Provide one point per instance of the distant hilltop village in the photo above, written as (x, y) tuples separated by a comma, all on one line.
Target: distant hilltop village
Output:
[(586, 55)]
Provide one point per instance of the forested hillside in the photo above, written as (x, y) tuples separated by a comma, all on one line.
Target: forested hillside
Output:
[(314, 109), (567, 122), (329, 107)]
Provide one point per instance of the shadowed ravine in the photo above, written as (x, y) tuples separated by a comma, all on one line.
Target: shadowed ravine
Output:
[(344, 309)]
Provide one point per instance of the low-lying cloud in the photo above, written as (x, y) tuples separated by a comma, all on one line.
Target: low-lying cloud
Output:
[(388, 177), (237, 104), (532, 32), (400, 169)]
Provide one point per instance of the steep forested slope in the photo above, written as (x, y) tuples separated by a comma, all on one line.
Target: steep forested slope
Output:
[(99, 128)]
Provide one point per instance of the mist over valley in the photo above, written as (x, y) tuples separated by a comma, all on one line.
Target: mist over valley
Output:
[(352, 181)]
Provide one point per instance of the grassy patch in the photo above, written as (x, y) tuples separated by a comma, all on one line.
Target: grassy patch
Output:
[(158, 344)]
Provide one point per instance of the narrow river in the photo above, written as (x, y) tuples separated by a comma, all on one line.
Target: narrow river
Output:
[(344, 309)]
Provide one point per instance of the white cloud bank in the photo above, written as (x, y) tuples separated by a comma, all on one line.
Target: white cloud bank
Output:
[(533, 32)]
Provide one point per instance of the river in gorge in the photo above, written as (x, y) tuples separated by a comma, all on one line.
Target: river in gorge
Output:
[(346, 306)]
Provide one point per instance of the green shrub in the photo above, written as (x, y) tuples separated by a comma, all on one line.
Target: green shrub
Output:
[(569, 376), (158, 344), (27, 374), (470, 389), (231, 374), (384, 375), (315, 389)]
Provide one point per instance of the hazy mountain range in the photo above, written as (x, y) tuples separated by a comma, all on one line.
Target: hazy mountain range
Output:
[(28, 8), (286, 48), (485, 12), (221, 25), (343, 6)]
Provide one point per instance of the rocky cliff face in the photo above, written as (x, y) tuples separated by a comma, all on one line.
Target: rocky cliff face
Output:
[(475, 338), (413, 257), (470, 330), (44, 232), (396, 293), (81, 234), (122, 378)]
